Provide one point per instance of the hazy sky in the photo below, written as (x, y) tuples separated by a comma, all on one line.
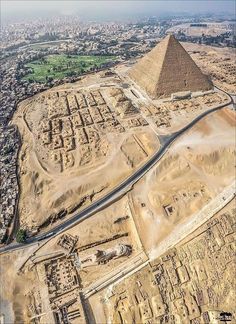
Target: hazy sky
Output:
[(112, 9)]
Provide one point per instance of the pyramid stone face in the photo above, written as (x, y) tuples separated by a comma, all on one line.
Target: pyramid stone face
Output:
[(168, 69)]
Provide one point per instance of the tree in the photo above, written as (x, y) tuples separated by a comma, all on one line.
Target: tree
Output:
[(71, 73), (21, 236)]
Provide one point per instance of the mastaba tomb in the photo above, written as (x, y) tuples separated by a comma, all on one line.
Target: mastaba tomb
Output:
[(168, 69)]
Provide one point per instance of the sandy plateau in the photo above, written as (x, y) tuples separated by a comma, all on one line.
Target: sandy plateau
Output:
[(80, 140), (106, 231), (194, 171), (163, 252), (198, 166), (78, 143), (13, 291)]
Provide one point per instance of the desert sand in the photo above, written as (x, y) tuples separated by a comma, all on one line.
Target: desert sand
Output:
[(78, 142), (76, 146), (196, 168)]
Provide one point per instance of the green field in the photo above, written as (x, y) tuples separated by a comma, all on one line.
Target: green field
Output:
[(60, 66)]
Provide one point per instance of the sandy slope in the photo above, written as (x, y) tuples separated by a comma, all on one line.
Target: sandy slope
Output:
[(196, 168)]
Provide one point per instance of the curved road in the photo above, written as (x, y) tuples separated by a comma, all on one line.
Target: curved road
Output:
[(118, 191)]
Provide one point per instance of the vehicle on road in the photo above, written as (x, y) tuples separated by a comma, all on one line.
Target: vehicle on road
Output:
[(46, 236)]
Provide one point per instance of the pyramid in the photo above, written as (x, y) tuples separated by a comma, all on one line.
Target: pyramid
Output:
[(168, 69)]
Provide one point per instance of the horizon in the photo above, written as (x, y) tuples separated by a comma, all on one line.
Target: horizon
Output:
[(112, 10)]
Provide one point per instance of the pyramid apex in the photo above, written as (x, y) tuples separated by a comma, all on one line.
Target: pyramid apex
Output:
[(170, 37)]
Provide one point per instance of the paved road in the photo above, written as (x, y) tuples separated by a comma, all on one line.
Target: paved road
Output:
[(118, 191)]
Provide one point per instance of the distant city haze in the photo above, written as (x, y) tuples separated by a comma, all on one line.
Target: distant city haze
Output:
[(112, 10)]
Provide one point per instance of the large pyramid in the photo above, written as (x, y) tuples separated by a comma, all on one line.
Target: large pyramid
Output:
[(168, 69)]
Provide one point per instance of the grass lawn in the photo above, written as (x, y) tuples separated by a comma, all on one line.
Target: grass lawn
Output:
[(60, 66)]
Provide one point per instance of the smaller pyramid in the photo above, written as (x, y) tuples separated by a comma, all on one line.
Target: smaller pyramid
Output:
[(168, 69)]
